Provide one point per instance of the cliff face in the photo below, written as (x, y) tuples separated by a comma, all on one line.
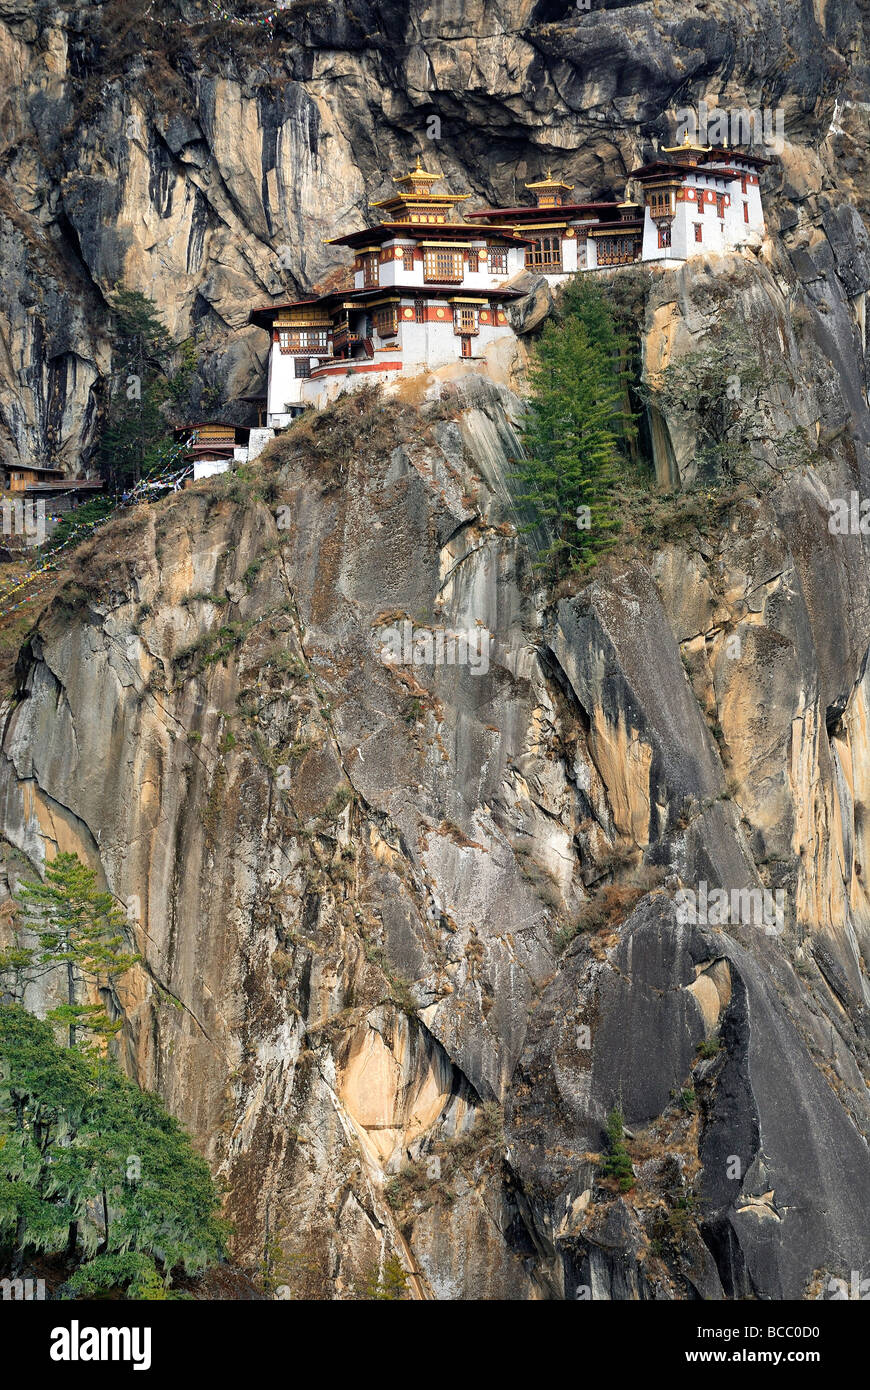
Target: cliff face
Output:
[(358, 886), (204, 163)]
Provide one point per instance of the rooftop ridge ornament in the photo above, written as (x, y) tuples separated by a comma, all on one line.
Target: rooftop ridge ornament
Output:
[(418, 174), (686, 145), (550, 182)]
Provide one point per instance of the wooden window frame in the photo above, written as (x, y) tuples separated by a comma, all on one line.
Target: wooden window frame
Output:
[(615, 250), (545, 254), (497, 254), (304, 341), (466, 320), (386, 320), (443, 266)]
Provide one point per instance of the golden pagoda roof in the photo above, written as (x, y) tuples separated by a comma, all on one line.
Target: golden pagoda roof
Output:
[(418, 173), (686, 145), (550, 182), (441, 199)]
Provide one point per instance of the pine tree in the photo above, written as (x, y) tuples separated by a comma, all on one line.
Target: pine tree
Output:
[(80, 929), (616, 1163), (570, 439), (44, 1091), (135, 436), (91, 1164)]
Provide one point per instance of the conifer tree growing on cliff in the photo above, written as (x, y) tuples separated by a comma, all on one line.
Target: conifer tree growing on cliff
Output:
[(92, 1167), (136, 441), (80, 930), (576, 417)]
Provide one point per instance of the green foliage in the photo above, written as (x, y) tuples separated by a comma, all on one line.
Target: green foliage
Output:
[(400, 988), (577, 415), (709, 1047), (389, 1286), (339, 799), (616, 1163), (686, 1099), (716, 393), (131, 1270), (80, 520), (180, 381), (677, 1219), (136, 441), (412, 709), (92, 1165), (215, 645), (79, 929)]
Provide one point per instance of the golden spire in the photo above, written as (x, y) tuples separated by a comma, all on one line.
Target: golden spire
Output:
[(418, 174), (551, 182), (687, 144)]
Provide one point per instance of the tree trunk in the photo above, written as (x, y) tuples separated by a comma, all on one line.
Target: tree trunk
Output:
[(71, 999), (18, 1252)]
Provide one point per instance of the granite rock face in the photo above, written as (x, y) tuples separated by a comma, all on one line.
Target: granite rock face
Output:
[(206, 164), (412, 929)]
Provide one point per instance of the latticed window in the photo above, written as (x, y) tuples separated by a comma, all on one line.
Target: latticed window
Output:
[(371, 269), (466, 347), (386, 320), (302, 366), (408, 258), (442, 264), (545, 254), (615, 250), (699, 232), (665, 234), (720, 204), (419, 311), (303, 339), (497, 260), (465, 318)]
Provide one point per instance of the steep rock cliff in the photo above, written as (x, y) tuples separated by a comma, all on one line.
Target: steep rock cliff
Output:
[(205, 163), (357, 887)]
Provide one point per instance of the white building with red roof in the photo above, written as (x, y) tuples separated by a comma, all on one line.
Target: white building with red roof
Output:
[(429, 289)]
